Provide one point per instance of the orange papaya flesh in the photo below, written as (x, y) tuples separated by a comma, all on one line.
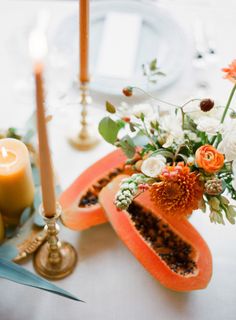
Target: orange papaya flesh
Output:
[(81, 209), (170, 249)]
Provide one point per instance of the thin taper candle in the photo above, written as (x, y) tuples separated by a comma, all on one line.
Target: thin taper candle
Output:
[(84, 40), (46, 168)]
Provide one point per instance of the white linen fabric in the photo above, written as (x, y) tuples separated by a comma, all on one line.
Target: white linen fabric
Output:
[(111, 281)]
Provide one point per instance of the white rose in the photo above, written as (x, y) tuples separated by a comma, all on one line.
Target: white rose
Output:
[(210, 126), (228, 144), (153, 166), (143, 108)]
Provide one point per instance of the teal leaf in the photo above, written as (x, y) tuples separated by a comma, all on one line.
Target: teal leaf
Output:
[(8, 251), (25, 215), (15, 273), (127, 145), (108, 129)]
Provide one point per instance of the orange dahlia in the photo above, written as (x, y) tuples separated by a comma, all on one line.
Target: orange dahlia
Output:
[(179, 191)]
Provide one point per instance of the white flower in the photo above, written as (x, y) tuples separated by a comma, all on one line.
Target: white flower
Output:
[(143, 108), (210, 126), (228, 144), (173, 128), (192, 136), (153, 166), (194, 111), (190, 161)]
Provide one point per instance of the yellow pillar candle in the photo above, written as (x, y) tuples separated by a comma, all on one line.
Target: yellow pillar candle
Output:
[(16, 181)]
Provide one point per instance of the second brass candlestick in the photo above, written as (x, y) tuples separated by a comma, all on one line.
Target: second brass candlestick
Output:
[(85, 139), (54, 260)]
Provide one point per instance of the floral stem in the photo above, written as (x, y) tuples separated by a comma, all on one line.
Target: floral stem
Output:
[(227, 107), (148, 135), (228, 104), (154, 98)]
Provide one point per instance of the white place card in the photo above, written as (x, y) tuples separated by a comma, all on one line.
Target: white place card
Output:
[(119, 45)]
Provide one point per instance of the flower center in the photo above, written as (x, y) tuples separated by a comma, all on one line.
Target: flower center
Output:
[(172, 191)]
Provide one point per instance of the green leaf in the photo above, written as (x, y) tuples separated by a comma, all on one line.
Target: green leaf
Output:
[(127, 145), (110, 107), (15, 273), (153, 65), (120, 123), (164, 153), (108, 129), (131, 126)]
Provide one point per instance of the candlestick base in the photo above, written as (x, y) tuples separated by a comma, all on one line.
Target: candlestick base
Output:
[(55, 271), (54, 260), (84, 141)]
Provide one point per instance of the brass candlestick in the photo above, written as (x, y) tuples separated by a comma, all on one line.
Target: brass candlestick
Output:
[(54, 260), (86, 139)]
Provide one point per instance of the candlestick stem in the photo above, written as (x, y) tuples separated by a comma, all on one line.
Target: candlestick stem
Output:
[(85, 140), (54, 260)]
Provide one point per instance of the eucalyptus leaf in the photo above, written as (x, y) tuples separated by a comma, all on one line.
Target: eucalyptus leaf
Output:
[(15, 273), (108, 129), (127, 145), (110, 108), (183, 156), (25, 215), (163, 152)]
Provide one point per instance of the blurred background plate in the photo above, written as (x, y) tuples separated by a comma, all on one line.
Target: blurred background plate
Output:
[(160, 36)]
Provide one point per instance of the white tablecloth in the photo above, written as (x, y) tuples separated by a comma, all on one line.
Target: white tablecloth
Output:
[(113, 284)]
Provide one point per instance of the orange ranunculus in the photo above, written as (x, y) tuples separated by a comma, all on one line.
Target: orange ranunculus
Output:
[(231, 71), (209, 159)]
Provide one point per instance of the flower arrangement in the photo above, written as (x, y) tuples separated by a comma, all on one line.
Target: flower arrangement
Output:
[(186, 158)]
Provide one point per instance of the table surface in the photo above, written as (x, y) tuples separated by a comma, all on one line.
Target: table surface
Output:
[(113, 284)]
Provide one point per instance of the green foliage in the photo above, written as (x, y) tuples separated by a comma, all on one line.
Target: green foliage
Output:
[(109, 129), (128, 146), (151, 71), (110, 107)]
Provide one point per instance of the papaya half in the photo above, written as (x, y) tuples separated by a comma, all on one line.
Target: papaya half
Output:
[(81, 209), (170, 249)]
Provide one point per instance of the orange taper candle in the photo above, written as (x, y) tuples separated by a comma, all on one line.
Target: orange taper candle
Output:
[(84, 40), (46, 168)]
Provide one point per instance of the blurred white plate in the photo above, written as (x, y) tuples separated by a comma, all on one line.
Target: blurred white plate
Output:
[(160, 37)]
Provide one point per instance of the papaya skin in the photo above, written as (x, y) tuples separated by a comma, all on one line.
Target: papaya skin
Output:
[(124, 227), (78, 218)]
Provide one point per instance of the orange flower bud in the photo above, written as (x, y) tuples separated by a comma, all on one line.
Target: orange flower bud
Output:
[(209, 159), (128, 91)]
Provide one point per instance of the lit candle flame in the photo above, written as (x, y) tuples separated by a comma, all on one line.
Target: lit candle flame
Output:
[(38, 44), (4, 152)]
